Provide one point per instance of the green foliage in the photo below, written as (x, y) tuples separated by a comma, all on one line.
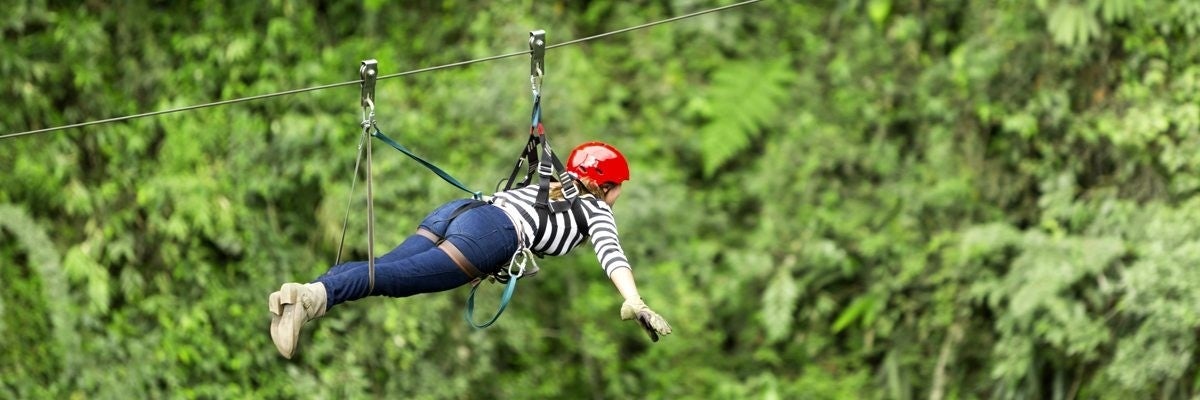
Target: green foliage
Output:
[(40, 286), (864, 199), (1072, 24), (743, 100)]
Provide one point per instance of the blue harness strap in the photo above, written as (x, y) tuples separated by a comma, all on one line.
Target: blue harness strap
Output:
[(477, 195), (509, 289), (511, 286)]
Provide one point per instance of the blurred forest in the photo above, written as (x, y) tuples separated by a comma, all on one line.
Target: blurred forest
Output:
[(872, 199)]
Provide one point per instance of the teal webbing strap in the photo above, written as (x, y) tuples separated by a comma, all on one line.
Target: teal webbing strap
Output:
[(445, 176), (508, 293), (511, 286)]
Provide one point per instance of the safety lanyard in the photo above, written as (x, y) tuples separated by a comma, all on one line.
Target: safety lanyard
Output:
[(368, 70), (538, 156)]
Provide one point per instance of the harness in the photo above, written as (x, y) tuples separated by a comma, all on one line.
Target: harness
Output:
[(537, 156)]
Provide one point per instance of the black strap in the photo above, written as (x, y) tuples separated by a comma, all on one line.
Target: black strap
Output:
[(576, 208), (539, 157), (528, 157), (549, 164), (580, 220), (466, 207)]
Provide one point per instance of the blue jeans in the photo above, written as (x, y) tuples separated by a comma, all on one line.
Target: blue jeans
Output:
[(483, 234)]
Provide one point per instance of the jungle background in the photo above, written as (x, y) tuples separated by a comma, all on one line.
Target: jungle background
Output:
[(830, 199)]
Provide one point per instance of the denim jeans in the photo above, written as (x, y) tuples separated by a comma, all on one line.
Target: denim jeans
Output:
[(484, 234)]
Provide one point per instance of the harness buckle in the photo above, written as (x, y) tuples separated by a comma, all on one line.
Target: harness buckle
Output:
[(545, 169), (569, 190)]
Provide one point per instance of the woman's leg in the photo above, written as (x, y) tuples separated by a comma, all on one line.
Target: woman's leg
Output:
[(411, 246), (436, 222), (484, 235), (428, 271)]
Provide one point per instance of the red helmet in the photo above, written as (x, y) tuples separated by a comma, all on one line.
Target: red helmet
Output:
[(599, 162)]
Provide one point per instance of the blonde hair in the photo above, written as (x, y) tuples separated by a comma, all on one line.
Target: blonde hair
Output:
[(588, 186)]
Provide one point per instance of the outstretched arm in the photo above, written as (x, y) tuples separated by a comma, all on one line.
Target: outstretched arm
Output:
[(622, 278), (603, 230)]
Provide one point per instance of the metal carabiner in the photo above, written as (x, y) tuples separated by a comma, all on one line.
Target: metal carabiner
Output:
[(519, 259), (535, 85)]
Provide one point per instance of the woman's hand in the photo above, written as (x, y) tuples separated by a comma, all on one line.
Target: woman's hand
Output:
[(650, 320)]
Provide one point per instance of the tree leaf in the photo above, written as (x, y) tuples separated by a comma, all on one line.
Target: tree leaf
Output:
[(744, 98), (779, 305), (1072, 25)]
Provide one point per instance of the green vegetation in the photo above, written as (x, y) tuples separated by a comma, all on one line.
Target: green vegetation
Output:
[(830, 199)]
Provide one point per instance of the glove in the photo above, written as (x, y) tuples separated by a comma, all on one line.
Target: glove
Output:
[(653, 323)]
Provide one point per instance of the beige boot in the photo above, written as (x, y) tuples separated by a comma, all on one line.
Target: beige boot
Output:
[(292, 306)]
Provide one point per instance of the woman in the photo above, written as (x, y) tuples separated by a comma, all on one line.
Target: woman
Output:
[(464, 240)]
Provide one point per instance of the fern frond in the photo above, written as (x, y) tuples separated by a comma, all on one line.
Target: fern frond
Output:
[(779, 305), (743, 98), (45, 260), (1072, 25)]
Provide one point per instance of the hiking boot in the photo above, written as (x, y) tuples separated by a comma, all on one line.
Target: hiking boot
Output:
[(292, 306)]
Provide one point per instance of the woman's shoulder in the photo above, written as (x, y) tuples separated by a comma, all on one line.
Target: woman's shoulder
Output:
[(524, 191), (594, 203)]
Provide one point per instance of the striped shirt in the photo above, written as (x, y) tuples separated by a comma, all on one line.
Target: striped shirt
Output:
[(563, 235)]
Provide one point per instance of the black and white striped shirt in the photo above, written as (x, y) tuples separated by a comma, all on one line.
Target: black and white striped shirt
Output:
[(562, 235)]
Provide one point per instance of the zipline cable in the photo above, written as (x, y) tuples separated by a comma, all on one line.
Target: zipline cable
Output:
[(355, 82), (175, 110), (650, 24)]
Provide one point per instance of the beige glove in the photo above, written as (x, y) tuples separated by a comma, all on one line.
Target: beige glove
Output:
[(653, 323)]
